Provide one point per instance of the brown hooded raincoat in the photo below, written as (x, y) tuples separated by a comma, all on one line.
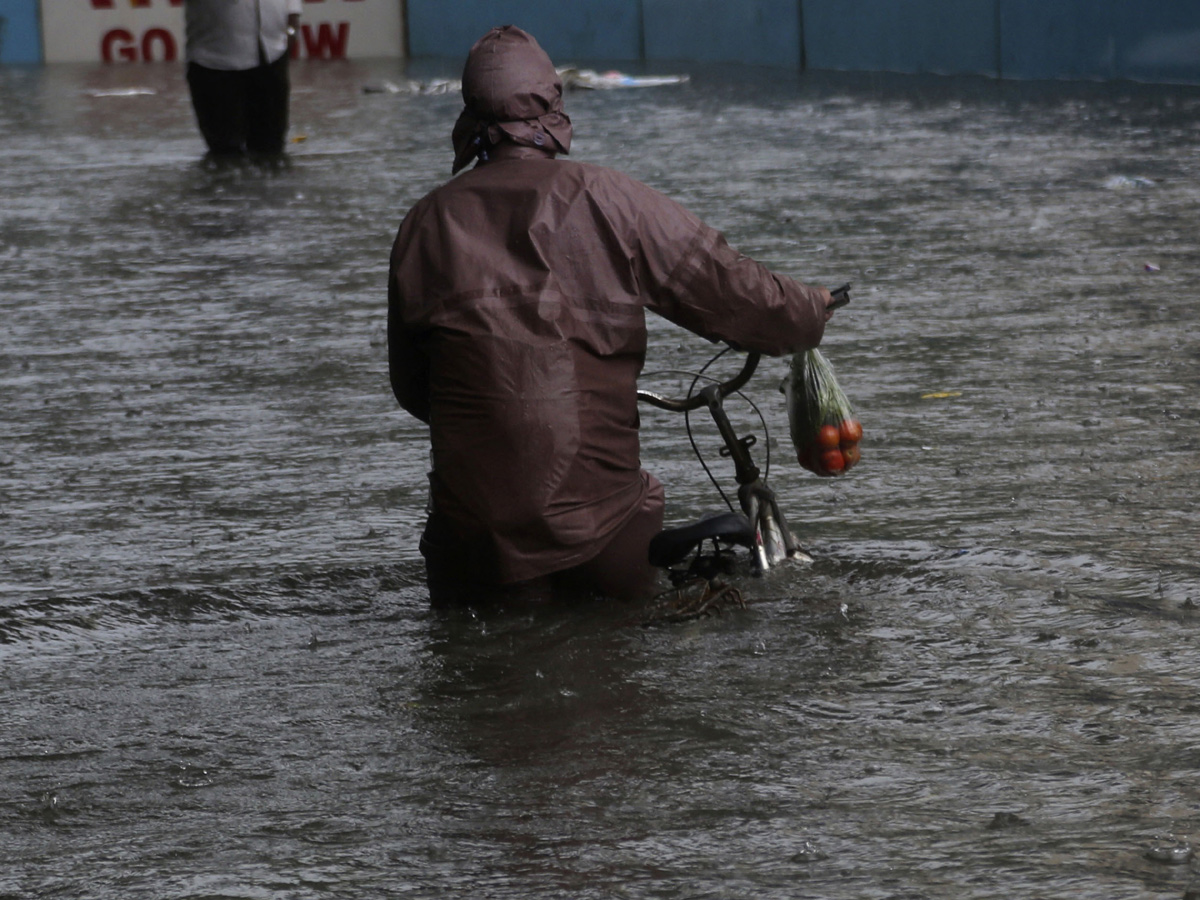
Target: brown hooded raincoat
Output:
[(516, 325)]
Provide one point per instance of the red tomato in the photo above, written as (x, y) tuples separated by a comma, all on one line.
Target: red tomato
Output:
[(850, 431), (851, 455), (828, 437), (833, 461)]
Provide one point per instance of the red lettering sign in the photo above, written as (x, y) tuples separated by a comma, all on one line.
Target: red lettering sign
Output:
[(136, 4), (122, 41), (162, 36), (323, 42), (119, 44)]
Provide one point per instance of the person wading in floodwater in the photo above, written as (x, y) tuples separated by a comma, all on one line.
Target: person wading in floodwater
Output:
[(237, 72), (516, 329)]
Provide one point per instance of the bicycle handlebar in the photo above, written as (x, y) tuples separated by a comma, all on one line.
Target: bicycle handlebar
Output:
[(721, 389)]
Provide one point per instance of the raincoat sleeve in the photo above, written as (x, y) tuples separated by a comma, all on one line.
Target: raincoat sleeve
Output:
[(408, 363), (696, 280)]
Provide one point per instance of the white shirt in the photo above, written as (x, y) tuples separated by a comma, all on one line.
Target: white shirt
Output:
[(234, 35)]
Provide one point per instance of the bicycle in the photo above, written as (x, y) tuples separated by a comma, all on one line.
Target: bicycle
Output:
[(761, 527)]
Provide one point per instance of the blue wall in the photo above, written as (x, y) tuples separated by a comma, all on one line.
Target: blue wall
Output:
[(1150, 40), (566, 29), (759, 32), (20, 34), (946, 36), (1146, 40), (763, 32)]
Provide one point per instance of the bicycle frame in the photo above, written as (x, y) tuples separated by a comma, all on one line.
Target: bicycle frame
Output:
[(774, 542)]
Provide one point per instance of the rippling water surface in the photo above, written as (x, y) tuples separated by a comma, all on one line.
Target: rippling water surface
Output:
[(218, 674)]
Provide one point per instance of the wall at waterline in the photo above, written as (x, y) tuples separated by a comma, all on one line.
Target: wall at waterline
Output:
[(941, 36), (1151, 40), (20, 36), (759, 32), (594, 29)]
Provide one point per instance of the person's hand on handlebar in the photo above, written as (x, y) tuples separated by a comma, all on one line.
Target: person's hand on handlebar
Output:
[(829, 304), (836, 298)]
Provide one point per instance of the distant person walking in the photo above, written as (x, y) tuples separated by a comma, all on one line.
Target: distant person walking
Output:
[(237, 71)]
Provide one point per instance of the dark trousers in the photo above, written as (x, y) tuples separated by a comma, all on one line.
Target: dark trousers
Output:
[(242, 112), (621, 570)]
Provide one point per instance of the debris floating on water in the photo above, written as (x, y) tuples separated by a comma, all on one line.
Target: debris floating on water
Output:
[(123, 92), (589, 79), (1127, 182), (1005, 820), (696, 599), (434, 86), (572, 78), (1175, 853)]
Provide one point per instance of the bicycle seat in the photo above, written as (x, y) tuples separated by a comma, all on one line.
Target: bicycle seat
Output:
[(671, 545)]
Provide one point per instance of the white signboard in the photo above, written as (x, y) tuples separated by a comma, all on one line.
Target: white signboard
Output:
[(120, 31)]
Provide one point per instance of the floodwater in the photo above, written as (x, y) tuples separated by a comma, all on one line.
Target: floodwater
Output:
[(219, 676)]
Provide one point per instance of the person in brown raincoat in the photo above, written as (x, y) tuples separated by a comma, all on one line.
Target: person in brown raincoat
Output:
[(516, 329)]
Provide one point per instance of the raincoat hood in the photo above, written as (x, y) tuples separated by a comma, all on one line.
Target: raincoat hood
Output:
[(511, 93)]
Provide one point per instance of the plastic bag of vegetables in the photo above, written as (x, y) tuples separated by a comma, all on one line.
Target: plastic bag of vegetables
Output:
[(824, 429)]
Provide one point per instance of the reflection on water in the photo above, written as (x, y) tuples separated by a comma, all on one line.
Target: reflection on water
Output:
[(220, 676)]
